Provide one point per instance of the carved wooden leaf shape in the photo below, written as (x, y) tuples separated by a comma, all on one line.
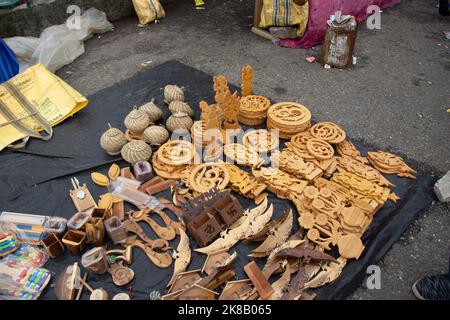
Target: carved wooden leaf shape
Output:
[(330, 272), (286, 245), (279, 235), (182, 256)]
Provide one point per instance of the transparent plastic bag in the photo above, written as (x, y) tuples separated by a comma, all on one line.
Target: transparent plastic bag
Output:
[(59, 45)]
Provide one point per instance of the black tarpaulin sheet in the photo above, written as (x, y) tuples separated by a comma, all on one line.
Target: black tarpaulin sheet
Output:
[(37, 180)]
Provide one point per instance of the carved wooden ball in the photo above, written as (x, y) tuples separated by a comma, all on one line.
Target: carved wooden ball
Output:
[(136, 150), (173, 93), (112, 141), (154, 113), (178, 121), (180, 106), (136, 121), (156, 135)]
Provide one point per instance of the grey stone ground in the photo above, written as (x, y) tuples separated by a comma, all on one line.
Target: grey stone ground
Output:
[(396, 96)]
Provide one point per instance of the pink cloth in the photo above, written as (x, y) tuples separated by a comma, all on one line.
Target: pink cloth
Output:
[(319, 13)]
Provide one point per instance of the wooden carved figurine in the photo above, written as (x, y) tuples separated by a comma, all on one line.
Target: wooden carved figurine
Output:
[(230, 107), (247, 81)]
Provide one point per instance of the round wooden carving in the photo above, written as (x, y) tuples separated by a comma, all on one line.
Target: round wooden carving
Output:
[(328, 131), (122, 276), (288, 114), (261, 140), (207, 176), (176, 152), (320, 149)]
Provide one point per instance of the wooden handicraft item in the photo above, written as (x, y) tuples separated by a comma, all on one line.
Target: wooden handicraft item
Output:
[(217, 259), (261, 140), (206, 176), (120, 274), (53, 245), (182, 256), (289, 118), (353, 166), (207, 214), (253, 222), (362, 188), (347, 149), (328, 222), (245, 184), (184, 280), (389, 163), (166, 233), (253, 110), (114, 172), (81, 196), (116, 230), (258, 279), (247, 81), (328, 132), (284, 185), (295, 165), (173, 157), (242, 155), (237, 290), (95, 260), (276, 237), (75, 241)]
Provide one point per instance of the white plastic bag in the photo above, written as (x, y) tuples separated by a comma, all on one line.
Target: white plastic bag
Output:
[(59, 45)]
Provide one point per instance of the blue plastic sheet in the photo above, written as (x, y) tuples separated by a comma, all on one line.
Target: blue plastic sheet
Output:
[(9, 66)]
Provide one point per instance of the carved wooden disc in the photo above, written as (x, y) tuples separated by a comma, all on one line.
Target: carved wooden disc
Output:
[(242, 155), (350, 246), (176, 152), (328, 131), (207, 176), (320, 149), (122, 276), (254, 105), (261, 140), (288, 114)]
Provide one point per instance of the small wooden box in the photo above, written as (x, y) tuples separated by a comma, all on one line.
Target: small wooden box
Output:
[(205, 228)]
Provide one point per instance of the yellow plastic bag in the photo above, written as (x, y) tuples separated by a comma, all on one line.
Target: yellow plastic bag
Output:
[(284, 13), (148, 10), (34, 101)]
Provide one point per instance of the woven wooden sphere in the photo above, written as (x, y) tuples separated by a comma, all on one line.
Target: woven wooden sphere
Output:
[(180, 106), (173, 93), (112, 141), (178, 121), (135, 151), (156, 135), (154, 113), (136, 121)]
